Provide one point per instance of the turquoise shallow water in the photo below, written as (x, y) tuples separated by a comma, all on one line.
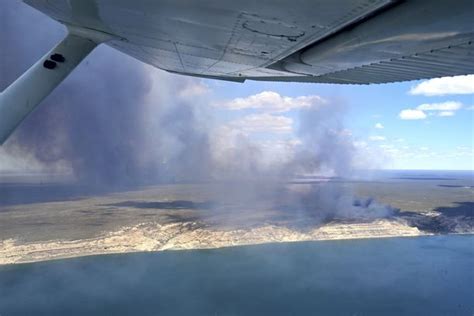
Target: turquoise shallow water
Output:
[(399, 276)]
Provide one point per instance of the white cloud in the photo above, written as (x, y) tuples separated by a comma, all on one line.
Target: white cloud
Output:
[(446, 113), (360, 144), (465, 151), (377, 138), (444, 106), (445, 85), (194, 89), (237, 152), (344, 132), (447, 108), (272, 101), (263, 123), (412, 114), (379, 126)]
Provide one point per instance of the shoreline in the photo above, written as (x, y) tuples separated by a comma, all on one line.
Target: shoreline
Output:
[(54, 222), (153, 237), (5, 265)]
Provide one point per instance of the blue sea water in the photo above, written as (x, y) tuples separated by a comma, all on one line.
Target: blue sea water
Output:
[(396, 276)]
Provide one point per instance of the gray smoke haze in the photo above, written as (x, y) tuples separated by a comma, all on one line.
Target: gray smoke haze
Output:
[(324, 140), (95, 121), (116, 123)]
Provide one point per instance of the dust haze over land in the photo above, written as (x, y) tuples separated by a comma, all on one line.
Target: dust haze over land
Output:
[(116, 123)]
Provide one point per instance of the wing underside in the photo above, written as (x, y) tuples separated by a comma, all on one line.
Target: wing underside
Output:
[(448, 61), (345, 41), (325, 41)]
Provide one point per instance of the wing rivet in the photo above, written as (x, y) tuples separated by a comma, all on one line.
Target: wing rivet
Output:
[(49, 64)]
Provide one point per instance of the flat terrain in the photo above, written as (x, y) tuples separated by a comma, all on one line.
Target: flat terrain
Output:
[(47, 220)]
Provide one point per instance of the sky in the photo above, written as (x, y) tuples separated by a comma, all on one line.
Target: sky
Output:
[(425, 124)]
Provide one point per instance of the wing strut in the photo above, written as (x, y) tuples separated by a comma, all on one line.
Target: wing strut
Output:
[(23, 95)]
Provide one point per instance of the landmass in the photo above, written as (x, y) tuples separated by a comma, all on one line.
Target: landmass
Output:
[(177, 217)]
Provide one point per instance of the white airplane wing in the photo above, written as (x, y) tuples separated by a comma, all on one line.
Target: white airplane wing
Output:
[(325, 41)]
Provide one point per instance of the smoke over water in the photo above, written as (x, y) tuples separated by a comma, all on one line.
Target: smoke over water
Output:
[(116, 122)]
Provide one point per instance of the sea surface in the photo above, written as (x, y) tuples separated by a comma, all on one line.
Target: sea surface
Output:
[(395, 276)]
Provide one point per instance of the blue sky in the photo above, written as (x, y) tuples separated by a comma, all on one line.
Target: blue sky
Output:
[(411, 125)]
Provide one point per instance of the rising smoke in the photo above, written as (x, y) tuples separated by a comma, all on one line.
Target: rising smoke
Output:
[(109, 132), (116, 122)]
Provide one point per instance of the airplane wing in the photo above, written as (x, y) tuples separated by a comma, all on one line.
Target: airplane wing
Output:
[(324, 41)]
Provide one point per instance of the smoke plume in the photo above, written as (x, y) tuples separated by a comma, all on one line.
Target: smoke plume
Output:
[(118, 122)]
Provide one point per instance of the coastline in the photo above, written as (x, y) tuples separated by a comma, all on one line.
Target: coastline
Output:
[(152, 237), (40, 222), (413, 269)]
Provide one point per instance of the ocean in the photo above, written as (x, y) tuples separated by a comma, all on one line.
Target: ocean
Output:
[(431, 275)]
